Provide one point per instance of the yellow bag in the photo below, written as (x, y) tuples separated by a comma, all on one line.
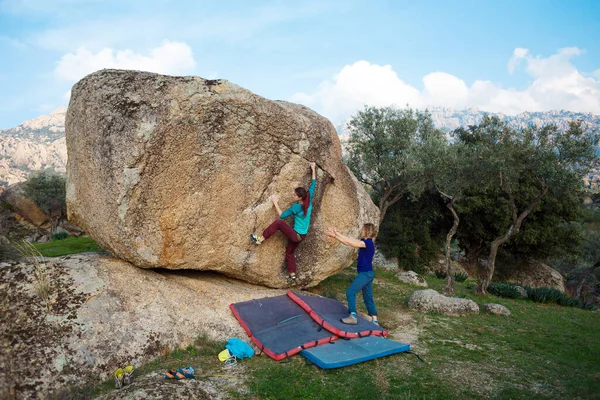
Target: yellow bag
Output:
[(224, 355)]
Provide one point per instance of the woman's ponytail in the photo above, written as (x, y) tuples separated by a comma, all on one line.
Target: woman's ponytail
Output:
[(305, 196)]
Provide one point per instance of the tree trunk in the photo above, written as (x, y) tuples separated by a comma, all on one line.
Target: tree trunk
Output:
[(585, 276), (384, 203), (486, 273), (449, 289), (382, 211)]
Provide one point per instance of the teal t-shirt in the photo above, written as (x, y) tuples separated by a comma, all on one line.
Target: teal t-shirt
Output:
[(301, 222)]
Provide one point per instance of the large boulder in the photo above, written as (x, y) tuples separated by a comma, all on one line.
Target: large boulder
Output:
[(439, 265), (104, 313), (530, 273), (429, 300), (176, 172), (18, 201)]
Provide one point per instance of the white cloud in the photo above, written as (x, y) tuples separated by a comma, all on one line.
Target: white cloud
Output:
[(519, 54), (169, 58), (556, 84), (358, 84)]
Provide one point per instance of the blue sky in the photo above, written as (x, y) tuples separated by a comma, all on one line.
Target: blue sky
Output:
[(334, 56)]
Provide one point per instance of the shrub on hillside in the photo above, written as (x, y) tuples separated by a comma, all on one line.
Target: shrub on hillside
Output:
[(48, 189), (544, 294), (460, 277), (440, 274), (505, 290), (59, 236)]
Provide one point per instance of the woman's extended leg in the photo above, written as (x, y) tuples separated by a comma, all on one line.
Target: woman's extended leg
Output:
[(356, 286), (281, 225), (367, 292)]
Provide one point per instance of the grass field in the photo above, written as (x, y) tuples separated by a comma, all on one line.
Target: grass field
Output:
[(70, 245), (539, 352)]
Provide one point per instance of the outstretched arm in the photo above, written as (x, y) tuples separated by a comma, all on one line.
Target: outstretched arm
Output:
[(313, 183), (331, 231)]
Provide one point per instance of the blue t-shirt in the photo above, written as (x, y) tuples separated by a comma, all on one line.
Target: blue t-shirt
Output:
[(365, 256), (301, 221)]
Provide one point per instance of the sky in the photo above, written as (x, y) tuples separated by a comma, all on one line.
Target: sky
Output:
[(333, 56)]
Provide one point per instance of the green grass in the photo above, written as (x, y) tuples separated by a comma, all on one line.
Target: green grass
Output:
[(70, 245), (542, 351)]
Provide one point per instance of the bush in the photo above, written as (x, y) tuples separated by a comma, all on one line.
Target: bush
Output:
[(460, 277), (551, 295), (586, 306), (543, 294), (59, 236), (47, 189), (505, 290), (441, 274)]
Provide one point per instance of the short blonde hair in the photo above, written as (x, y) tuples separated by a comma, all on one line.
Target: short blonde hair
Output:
[(369, 230)]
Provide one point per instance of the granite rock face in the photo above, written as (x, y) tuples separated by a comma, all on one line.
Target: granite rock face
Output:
[(103, 313), (176, 172)]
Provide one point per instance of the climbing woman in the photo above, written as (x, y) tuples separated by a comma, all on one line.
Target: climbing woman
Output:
[(364, 267), (301, 210)]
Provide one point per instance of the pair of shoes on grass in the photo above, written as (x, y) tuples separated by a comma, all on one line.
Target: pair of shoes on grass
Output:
[(123, 376), (256, 239), (180, 373)]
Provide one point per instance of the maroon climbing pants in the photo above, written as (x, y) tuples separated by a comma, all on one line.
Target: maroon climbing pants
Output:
[(294, 239)]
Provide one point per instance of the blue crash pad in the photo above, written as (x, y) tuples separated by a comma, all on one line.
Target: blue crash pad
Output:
[(342, 353)]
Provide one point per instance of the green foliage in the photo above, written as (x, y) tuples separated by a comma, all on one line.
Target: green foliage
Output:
[(530, 188), (506, 290), (460, 277), (383, 152), (544, 294), (413, 231), (551, 295), (59, 236), (48, 189)]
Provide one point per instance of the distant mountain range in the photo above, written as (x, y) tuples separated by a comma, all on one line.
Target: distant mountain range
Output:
[(40, 143), (36, 144)]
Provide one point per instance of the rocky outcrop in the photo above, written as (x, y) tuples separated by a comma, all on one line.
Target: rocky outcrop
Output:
[(176, 172), (15, 197), (496, 309), (439, 265), (431, 301), (381, 261), (105, 313), (530, 273), (33, 145), (412, 278)]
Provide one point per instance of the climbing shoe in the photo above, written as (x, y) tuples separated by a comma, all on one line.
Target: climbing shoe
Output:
[(350, 320), (188, 372), (255, 238), (171, 374)]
